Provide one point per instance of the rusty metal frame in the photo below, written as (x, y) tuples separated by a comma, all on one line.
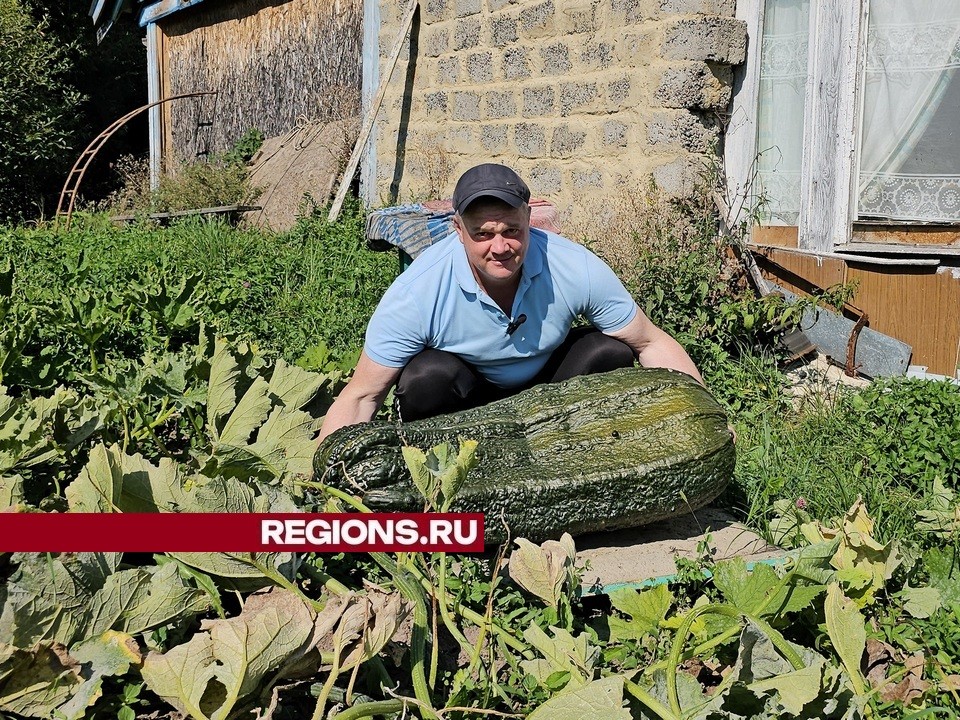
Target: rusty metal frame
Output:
[(72, 183)]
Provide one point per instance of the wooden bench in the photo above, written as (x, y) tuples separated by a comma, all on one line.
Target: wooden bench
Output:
[(230, 212)]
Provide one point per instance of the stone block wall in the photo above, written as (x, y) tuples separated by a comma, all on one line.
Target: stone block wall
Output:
[(579, 96)]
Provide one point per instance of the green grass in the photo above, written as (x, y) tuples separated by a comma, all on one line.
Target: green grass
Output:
[(315, 285), (886, 443)]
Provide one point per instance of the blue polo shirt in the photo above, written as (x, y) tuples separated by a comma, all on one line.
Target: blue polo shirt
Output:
[(437, 303)]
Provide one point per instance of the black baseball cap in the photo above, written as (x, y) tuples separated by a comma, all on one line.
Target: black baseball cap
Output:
[(490, 180)]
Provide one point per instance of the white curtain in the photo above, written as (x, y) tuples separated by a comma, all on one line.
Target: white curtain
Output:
[(783, 78), (910, 141)]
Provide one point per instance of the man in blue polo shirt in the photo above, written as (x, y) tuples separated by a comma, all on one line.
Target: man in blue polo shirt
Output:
[(488, 311)]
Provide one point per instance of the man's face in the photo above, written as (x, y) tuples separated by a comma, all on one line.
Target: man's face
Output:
[(495, 237)]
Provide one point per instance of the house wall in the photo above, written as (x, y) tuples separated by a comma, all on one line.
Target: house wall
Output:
[(273, 63), (919, 305), (579, 96)]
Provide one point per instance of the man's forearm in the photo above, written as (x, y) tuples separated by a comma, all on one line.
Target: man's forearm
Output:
[(666, 352)]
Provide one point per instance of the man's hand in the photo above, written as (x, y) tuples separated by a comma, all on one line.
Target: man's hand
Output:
[(359, 401)]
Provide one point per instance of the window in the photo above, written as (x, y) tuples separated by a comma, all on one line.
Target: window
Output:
[(848, 115)]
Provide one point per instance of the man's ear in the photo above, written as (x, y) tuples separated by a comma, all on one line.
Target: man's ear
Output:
[(458, 226)]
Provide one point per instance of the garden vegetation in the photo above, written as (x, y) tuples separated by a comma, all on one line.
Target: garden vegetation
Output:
[(149, 369)]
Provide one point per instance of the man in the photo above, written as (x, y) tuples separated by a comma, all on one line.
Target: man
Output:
[(487, 312)]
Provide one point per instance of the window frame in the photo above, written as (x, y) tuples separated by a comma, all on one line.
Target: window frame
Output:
[(833, 100)]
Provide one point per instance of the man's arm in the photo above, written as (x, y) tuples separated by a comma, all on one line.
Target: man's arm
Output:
[(654, 347), (359, 401)]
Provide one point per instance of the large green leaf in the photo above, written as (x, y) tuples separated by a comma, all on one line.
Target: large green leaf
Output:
[(251, 410), (294, 386), (284, 445), (646, 610), (598, 699), (111, 653), (755, 591), (100, 484), (542, 569), (11, 491), (561, 653), (35, 431), (140, 599), (845, 626), (863, 564), (944, 569), (37, 681), (48, 597), (230, 659), (221, 393)]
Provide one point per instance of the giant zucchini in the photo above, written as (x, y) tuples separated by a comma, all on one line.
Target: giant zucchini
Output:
[(605, 451)]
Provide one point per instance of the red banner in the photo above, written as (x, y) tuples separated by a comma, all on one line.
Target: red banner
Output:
[(241, 532)]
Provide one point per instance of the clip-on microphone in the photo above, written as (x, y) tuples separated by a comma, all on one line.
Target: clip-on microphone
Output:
[(514, 324)]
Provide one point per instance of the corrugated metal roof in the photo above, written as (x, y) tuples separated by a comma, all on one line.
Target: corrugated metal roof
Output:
[(106, 12)]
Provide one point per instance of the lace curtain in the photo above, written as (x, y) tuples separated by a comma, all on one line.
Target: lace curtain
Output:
[(910, 142), (783, 77)]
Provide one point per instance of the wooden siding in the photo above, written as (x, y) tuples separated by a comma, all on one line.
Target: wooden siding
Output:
[(780, 235), (799, 273), (906, 235), (918, 305), (274, 63)]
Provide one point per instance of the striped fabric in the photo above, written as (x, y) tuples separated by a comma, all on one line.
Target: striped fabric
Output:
[(415, 227), (412, 228)]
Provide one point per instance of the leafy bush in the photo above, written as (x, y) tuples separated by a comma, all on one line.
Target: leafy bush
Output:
[(911, 430), (37, 111), (215, 182), (102, 293)]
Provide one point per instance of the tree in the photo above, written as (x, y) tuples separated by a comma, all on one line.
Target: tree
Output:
[(58, 90), (38, 111)]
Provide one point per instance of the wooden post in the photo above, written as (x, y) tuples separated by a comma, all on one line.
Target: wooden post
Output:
[(371, 115)]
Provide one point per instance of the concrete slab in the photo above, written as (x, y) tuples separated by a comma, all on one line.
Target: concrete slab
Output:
[(645, 556)]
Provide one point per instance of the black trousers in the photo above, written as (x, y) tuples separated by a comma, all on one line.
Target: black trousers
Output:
[(435, 382)]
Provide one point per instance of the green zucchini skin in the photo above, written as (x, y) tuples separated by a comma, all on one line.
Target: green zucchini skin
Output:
[(596, 452)]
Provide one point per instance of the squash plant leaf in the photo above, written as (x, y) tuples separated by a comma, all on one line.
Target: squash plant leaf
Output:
[(845, 626), (106, 655), (48, 598), (542, 569), (921, 602), (598, 699), (795, 689), (863, 564), (439, 474), (453, 472), (293, 386), (416, 462), (944, 572), (755, 591), (221, 393), (229, 659), (562, 653), (250, 412), (11, 491), (37, 681), (646, 610), (141, 599), (284, 447), (100, 483)]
